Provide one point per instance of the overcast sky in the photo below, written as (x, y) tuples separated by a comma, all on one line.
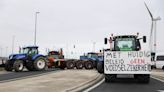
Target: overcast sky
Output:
[(65, 23)]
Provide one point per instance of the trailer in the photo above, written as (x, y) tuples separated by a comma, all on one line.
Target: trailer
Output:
[(56, 59)]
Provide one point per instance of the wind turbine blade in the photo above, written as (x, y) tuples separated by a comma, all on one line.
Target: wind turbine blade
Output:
[(150, 40), (148, 11)]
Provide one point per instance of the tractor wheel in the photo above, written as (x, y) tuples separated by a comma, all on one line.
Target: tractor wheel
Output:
[(8, 65), (29, 66), (163, 68), (110, 77), (40, 63), (88, 65), (70, 64), (100, 67), (62, 65), (18, 65), (79, 65), (143, 78)]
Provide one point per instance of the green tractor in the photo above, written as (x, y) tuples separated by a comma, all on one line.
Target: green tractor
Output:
[(29, 58), (122, 45)]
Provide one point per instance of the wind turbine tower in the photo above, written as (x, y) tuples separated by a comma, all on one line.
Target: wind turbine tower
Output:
[(153, 31)]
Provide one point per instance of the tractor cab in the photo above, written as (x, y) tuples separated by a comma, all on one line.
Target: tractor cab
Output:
[(56, 54), (30, 50), (92, 55), (121, 43), (125, 43)]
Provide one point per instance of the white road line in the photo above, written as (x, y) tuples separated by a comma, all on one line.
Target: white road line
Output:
[(160, 90), (94, 86), (157, 79), (99, 83)]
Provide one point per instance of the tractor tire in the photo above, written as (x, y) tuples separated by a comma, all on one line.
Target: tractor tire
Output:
[(30, 66), (40, 63), (8, 65), (88, 65), (100, 67), (143, 78), (163, 68), (18, 66), (79, 65), (62, 65), (110, 77), (70, 65)]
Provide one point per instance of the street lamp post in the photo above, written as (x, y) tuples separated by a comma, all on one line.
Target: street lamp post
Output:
[(1, 51), (94, 46), (13, 40), (36, 13), (6, 51)]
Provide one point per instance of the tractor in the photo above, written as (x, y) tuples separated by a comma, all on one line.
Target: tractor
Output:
[(28, 57), (90, 60), (119, 60), (56, 59)]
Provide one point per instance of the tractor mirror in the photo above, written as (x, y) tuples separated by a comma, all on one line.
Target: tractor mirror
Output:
[(144, 39), (105, 41)]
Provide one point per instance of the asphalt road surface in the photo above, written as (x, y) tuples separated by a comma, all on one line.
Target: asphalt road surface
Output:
[(9, 76), (130, 85)]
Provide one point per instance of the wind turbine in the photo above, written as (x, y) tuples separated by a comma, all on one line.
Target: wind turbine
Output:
[(153, 30)]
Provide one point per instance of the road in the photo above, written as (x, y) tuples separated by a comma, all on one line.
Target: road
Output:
[(10, 76), (130, 85)]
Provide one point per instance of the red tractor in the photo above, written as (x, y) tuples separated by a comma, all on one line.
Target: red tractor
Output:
[(56, 59)]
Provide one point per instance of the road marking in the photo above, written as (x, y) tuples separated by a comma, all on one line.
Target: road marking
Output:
[(157, 79), (99, 83), (94, 86), (160, 90)]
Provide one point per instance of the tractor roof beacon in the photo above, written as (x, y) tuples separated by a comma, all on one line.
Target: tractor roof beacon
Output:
[(122, 58)]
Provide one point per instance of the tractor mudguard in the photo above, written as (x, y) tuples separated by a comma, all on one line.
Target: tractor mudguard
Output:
[(36, 56)]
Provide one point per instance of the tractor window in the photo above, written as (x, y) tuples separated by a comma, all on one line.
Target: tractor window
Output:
[(125, 44), (160, 58), (92, 55), (54, 54), (25, 50), (33, 51)]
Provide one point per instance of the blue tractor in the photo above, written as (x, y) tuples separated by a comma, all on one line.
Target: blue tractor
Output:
[(97, 59), (29, 57), (91, 60)]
